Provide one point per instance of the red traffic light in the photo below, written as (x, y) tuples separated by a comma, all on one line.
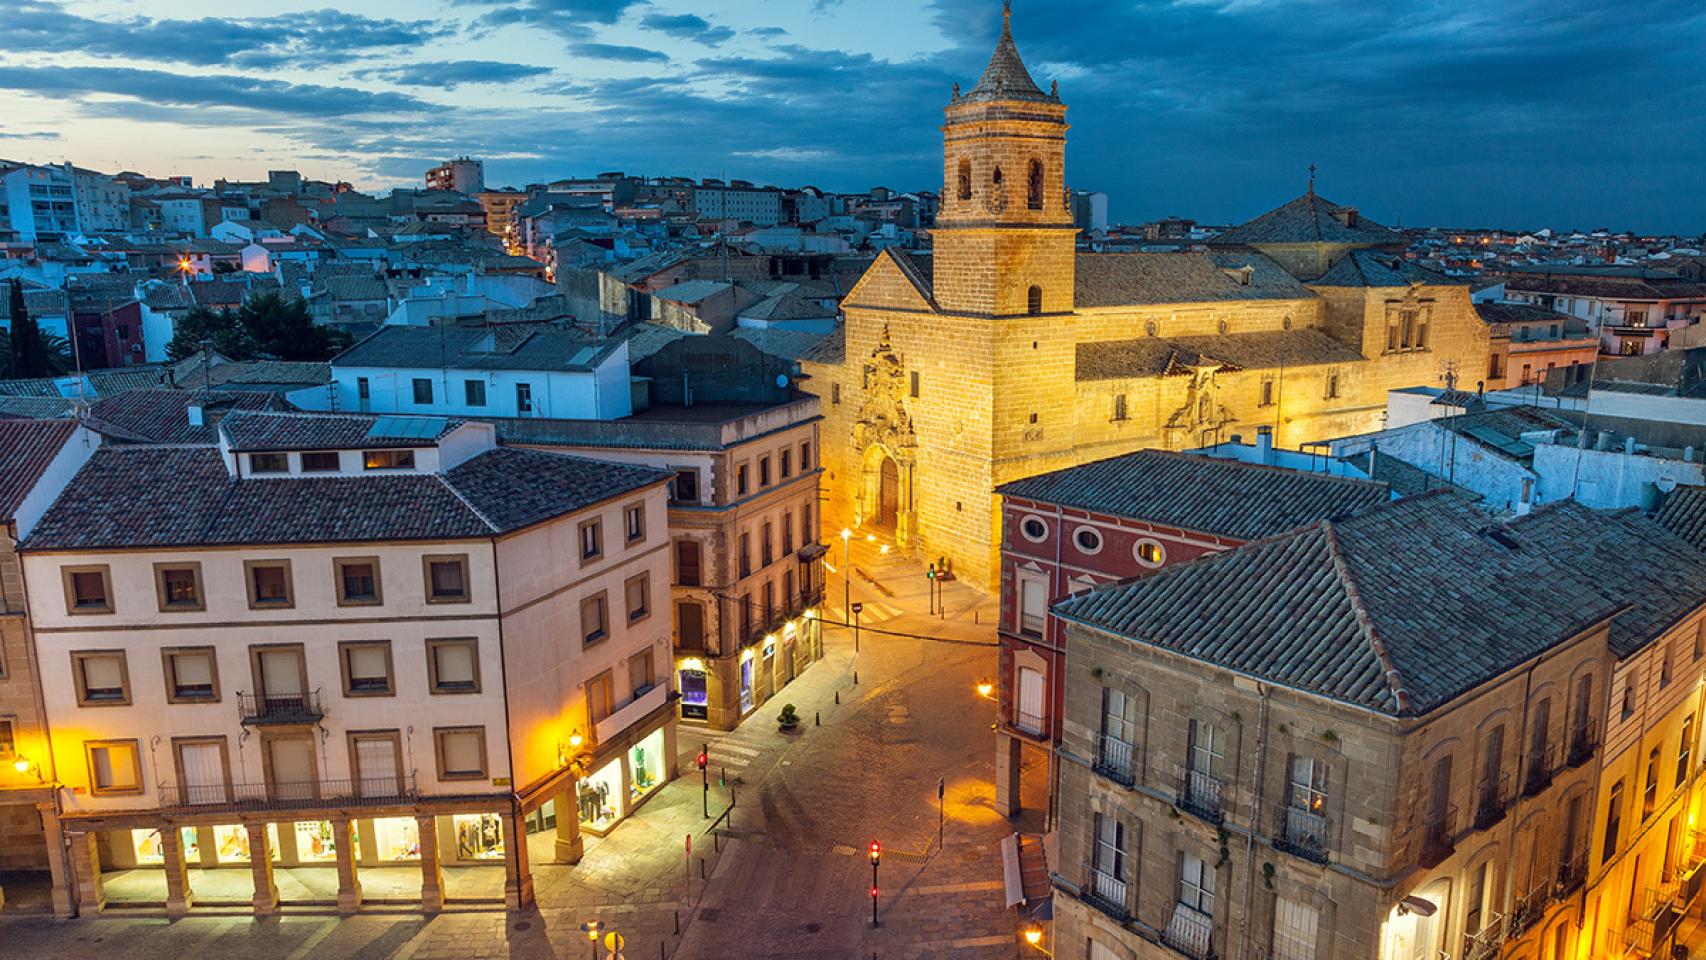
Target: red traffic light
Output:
[(702, 760), (876, 849), (873, 893)]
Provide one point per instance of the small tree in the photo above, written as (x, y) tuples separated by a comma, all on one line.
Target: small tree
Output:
[(217, 331), (32, 352), (283, 330)]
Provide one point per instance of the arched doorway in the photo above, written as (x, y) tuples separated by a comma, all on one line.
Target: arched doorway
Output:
[(888, 494)]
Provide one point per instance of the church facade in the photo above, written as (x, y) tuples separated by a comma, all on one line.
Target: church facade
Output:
[(1007, 352)]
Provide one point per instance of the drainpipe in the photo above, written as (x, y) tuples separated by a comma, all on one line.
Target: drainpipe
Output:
[(1255, 820)]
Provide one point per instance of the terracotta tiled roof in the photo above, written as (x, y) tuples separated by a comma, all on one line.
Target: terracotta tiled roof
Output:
[(1127, 279), (1376, 268), (162, 416), (1355, 610), (247, 431), (1222, 497), (1684, 514), (27, 447), (1161, 356)]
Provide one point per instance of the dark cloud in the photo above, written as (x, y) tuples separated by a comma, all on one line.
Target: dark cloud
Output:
[(313, 38), (568, 18), (450, 74), (617, 51), (162, 91), (28, 134), (687, 26)]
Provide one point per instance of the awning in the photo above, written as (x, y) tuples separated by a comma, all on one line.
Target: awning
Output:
[(1024, 871), (812, 551)]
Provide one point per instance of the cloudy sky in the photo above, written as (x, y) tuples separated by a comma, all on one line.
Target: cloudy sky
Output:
[(1519, 113)]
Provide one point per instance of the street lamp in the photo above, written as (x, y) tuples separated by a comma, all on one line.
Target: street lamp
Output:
[(986, 689), (846, 571), (592, 928), (1034, 937)]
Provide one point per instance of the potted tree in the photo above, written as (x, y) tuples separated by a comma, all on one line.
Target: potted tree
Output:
[(788, 719)]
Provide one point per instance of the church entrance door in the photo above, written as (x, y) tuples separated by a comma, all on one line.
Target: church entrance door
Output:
[(888, 498)]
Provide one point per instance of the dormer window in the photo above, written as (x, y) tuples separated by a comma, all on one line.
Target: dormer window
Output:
[(320, 461), (269, 463), (388, 459)]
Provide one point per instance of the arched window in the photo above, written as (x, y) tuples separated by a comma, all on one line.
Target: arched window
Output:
[(965, 180), (1034, 186), (995, 178), (1034, 300)]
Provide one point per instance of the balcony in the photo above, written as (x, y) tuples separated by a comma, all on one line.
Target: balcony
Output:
[(1115, 761), (631, 713), (1029, 723), (290, 795), (1542, 770), (1583, 744), (1107, 893), (1302, 833), (1485, 944), (262, 708), (1527, 910), (1492, 801), (1190, 932), (1438, 842), (1199, 796), (1572, 873), (1288, 946)]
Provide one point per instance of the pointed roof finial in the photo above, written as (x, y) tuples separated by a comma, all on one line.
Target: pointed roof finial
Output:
[(1006, 77), (1312, 179), (1007, 17)]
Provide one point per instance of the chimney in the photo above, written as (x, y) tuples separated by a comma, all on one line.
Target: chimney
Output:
[(197, 414), (1629, 446), (1604, 442), (1238, 439), (1265, 445), (1346, 216), (1688, 454)]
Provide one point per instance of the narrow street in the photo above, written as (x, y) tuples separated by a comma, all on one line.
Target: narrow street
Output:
[(789, 873)]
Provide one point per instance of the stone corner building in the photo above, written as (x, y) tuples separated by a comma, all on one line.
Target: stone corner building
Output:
[(1008, 352)]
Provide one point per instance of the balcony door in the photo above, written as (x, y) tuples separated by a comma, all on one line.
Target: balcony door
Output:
[(281, 679), (378, 763), (290, 768), (202, 771), (1030, 718)]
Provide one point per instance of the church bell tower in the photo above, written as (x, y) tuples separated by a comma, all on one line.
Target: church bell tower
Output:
[(1003, 242)]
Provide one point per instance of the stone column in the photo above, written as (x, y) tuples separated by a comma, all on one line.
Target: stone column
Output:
[(570, 846), (86, 861), (432, 867), (349, 884), (518, 878), (1008, 758), (178, 897), (260, 866)]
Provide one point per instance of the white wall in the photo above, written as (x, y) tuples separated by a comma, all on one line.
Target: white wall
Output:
[(602, 394), (1608, 479)]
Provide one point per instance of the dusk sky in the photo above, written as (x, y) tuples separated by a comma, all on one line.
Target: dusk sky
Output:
[(1520, 113)]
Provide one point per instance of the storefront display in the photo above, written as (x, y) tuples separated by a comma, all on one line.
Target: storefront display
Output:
[(695, 695), (645, 765), (746, 681), (544, 818), (231, 842), (600, 796), (396, 838), (315, 842), (479, 836), (150, 853)]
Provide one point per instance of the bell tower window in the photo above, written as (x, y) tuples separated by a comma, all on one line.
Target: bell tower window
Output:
[(965, 180), (1034, 186), (1034, 300)]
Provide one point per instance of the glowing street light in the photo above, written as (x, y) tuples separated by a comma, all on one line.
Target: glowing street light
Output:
[(986, 689), (846, 571)]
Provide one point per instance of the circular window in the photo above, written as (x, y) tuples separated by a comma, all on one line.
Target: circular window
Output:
[(1150, 553), (1286, 323), (1087, 539), (1034, 530), (1150, 328), (1223, 326)]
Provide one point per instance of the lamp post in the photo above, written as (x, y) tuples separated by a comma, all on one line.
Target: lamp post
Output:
[(1034, 937), (857, 607), (592, 928), (846, 570)]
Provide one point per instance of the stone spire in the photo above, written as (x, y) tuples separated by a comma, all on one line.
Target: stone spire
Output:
[(1006, 77)]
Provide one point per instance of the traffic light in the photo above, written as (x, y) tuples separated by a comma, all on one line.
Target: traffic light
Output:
[(876, 851), (930, 574), (703, 759)]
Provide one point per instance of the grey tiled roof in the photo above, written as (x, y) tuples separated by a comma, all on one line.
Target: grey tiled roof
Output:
[(1005, 78), (1129, 279), (787, 344), (1493, 311), (26, 449), (162, 416), (175, 496), (248, 431), (1375, 268), (1309, 219), (512, 346), (1161, 356), (1356, 610), (1684, 514), (1227, 498)]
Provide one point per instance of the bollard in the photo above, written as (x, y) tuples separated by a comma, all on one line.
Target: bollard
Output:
[(678, 922), (661, 954), (818, 716), (838, 698), (701, 868), (855, 678)]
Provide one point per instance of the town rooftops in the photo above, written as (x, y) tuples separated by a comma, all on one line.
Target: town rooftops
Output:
[(27, 447), (1494, 311), (1610, 288), (1168, 356), (1501, 430), (1311, 219), (693, 291), (163, 416), (1227, 498), (249, 431), (1355, 610), (1128, 279), (1684, 514), (1377, 268), (182, 496), (517, 346)]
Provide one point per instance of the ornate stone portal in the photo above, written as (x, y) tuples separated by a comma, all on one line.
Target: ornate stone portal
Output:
[(884, 433), (1199, 419)]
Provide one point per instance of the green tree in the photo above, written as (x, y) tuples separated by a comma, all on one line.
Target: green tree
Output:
[(218, 331), (281, 329), (30, 351)]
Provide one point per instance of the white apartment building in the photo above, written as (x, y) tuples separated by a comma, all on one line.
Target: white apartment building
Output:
[(103, 204), (36, 202), (341, 642), (511, 370), (759, 206)]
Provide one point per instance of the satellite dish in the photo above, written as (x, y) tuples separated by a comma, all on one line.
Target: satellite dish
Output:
[(781, 380)]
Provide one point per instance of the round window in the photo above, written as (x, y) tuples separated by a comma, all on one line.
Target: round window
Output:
[(1088, 539), (1150, 553), (1034, 529)]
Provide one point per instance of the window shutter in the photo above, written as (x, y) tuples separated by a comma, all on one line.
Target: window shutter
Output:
[(192, 669), (367, 663), (447, 579), (462, 752), (102, 673), (455, 664), (103, 762)]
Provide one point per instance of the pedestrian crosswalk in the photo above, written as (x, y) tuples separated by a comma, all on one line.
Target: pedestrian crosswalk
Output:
[(732, 751)]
